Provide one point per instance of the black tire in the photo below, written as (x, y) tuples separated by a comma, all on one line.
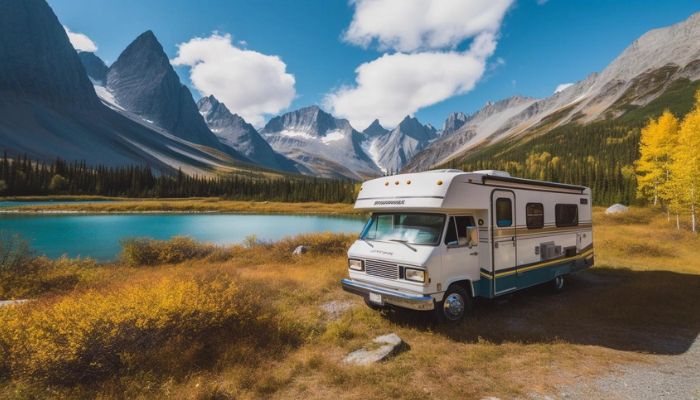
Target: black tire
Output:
[(454, 305), (558, 284)]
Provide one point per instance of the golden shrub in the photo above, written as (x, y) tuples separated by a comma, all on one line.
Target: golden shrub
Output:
[(165, 324), (144, 251)]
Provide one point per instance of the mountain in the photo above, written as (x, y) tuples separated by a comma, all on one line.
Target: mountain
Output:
[(143, 82), (49, 108), (375, 129), (393, 150), (232, 130), (461, 133), (453, 122), (320, 144), (94, 66), (656, 63)]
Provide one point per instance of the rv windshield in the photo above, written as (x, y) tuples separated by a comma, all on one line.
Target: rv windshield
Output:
[(412, 228)]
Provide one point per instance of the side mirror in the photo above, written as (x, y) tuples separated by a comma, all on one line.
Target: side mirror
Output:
[(473, 236)]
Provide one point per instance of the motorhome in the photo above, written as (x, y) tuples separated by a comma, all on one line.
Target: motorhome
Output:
[(436, 240)]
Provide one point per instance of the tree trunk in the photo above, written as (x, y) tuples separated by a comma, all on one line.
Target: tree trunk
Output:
[(678, 222)]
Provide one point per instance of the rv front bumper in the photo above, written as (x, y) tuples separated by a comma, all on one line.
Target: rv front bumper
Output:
[(389, 296)]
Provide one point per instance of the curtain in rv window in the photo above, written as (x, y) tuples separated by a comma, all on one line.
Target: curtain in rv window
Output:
[(534, 215), (566, 214), (504, 212)]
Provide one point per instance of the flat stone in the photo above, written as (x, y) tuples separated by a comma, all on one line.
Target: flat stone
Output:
[(617, 209), (335, 309), (389, 346)]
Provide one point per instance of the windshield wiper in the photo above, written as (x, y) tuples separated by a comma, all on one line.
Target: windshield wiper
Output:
[(403, 242), (368, 242)]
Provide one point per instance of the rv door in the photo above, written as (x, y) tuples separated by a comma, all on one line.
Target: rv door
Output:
[(503, 240)]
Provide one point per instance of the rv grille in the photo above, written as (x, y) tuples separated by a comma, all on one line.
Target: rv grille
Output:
[(382, 269)]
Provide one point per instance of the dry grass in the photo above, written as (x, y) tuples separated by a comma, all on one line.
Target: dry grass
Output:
[(193, 205), (639, 300)]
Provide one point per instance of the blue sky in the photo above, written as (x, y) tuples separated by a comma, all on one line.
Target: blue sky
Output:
[(539, 45)]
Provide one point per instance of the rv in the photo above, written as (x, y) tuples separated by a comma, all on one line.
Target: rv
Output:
[(436, 240)]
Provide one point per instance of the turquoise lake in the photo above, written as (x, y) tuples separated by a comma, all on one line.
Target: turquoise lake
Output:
[(98, 236)]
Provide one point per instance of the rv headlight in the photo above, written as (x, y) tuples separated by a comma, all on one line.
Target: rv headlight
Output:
[(416, 275), (357, 265)]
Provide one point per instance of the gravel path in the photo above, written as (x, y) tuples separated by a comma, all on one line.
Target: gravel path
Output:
[(670, 377)]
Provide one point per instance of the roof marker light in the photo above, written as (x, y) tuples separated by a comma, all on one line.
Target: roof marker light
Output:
[(386, 183), (439, 183), (408, 182), (396, 183)]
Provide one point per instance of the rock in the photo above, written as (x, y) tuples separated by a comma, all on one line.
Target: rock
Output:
[(300, 250), (389, 346), (617, 209), (336, 308)]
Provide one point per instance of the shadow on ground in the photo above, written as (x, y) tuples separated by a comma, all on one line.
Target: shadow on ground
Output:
[(655, 312)]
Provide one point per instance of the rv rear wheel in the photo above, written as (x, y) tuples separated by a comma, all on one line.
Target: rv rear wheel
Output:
[(558, 283), (454, 304)]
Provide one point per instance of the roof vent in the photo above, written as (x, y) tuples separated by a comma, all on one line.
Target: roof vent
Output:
[(446, 170), (493, 172)]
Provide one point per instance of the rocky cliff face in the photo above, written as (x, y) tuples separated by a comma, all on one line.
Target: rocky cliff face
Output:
[(49, 108), (453, 122), (321, 144), (375, 129), (143, 82), (395, 149), (232, 130), (94, 66), (36, 59)]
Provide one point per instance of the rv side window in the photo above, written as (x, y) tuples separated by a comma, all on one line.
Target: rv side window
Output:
[(566, 214), (534, 215), (457, 230), (504, 212), (451, 234)]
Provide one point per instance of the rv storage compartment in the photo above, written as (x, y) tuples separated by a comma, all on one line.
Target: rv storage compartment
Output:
[(549, 250)]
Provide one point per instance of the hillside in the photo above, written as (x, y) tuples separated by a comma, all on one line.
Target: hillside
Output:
[(598, 154), (193, 320)]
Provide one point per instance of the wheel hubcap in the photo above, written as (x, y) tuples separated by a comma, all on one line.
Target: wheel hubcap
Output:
[(453, 306)]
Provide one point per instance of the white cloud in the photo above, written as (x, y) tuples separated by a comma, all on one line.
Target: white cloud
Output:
[(410, 25), (251, 84), (426, 67), (395, 85), (562, 86), (80, 41)]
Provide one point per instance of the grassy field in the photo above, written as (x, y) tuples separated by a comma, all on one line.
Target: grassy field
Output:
[(190, 205), (186, 320)]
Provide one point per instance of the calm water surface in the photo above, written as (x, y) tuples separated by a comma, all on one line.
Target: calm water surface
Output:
[(98, 236)]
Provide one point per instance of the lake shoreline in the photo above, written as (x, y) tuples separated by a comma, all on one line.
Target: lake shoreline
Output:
[(75, 206)]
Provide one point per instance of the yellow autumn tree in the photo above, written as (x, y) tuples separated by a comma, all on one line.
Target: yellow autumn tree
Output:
[(685, 166), (656, 147)]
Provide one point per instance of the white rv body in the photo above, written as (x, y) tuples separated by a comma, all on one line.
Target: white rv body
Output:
[(511, 250)]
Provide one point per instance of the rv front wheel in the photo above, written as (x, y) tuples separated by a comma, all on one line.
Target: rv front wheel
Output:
[(454, 305), (558, 283)]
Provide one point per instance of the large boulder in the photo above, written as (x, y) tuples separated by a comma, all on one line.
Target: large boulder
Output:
[(385, 346), (617, 209)]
